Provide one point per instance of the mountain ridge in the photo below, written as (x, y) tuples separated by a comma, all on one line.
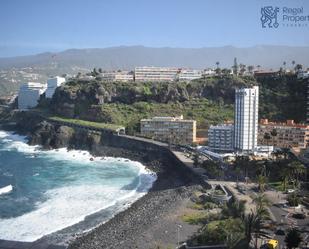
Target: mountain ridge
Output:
[(127, 57)]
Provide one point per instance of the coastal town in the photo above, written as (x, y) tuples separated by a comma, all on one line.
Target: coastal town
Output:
[(252, 169)]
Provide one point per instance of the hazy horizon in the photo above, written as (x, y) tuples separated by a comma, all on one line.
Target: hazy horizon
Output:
[(32, 27)]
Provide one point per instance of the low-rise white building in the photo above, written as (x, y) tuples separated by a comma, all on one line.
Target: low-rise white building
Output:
[(123, 76), (189, 74), (221, 137), (52, 84), (156, 73), (29, 94), (303, 75)]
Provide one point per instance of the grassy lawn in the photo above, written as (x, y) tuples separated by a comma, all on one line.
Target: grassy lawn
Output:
[(86, 123)]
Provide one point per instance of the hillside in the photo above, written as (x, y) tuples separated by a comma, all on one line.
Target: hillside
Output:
[(16, 70), (209, 101)]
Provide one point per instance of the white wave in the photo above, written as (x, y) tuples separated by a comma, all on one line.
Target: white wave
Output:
[(6, 189), (65, 207), (69, 205), (17, 142)]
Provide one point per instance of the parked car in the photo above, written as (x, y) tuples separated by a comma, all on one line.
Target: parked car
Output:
[(300, 216)]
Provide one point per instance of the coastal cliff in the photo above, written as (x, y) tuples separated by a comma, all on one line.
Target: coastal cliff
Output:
[(134, 227)]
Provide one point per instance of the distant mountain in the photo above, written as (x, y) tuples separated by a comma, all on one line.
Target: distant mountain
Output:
[(127, 57)]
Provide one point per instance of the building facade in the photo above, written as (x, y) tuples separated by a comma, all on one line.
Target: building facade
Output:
[(29, 94), (246, 119), (189, 74), (221, 138), (156, 73), (52, 84), (288, 134), (175, 130), (122, 76)]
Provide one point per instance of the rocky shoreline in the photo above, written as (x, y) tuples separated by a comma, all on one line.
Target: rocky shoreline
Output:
[(133, 227)]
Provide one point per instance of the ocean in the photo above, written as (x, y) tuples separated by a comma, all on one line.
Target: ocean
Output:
[(46, 191)]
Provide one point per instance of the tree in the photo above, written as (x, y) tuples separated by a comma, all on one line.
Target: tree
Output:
[(293, 238), (242, 69), (217, 63), (298, 67), (297, 169), (261, 203), (285, 174), (235, 67), (293, 63), (293, 199), (258, 66), (100, 70), (196, 159), (273, 134), (284, 65), (267, 137), (250, 68), (261, 182)]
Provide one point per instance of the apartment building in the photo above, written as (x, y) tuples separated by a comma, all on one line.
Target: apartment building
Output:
[(221, 137), (175, 130), (156, 73), (289, 134), (122, 76), (52, 84), (189, 74), (29, 94), (246, 119)]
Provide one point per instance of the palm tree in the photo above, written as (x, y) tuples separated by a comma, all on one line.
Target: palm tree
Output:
[(249, 222), (261, 203), (284, 65), (217, 63), (262, 181), (293, 238), (258, 66), (297, 169), (252, 224), (285, 174)]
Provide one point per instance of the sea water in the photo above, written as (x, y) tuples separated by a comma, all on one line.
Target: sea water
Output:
[(54, 189)]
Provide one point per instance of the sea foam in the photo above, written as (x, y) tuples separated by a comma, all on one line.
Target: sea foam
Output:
[(70, 204)]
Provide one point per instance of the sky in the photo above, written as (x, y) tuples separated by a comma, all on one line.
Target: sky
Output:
[(37, 26)]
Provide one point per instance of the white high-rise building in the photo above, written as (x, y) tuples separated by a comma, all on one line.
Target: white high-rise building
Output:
[(246, 119), (29, 94), (52, 84)]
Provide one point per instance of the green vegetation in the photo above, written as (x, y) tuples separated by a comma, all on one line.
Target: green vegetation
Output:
[(293, 238), (208, 100), (130, 115), (86, 123)]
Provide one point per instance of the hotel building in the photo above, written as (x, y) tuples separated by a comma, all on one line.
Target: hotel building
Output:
[(289, 134), (52, 84), (156, 73), (29, 94), (175, 130), (189, 74), (122, 76), (221, 137), (246, 119)]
